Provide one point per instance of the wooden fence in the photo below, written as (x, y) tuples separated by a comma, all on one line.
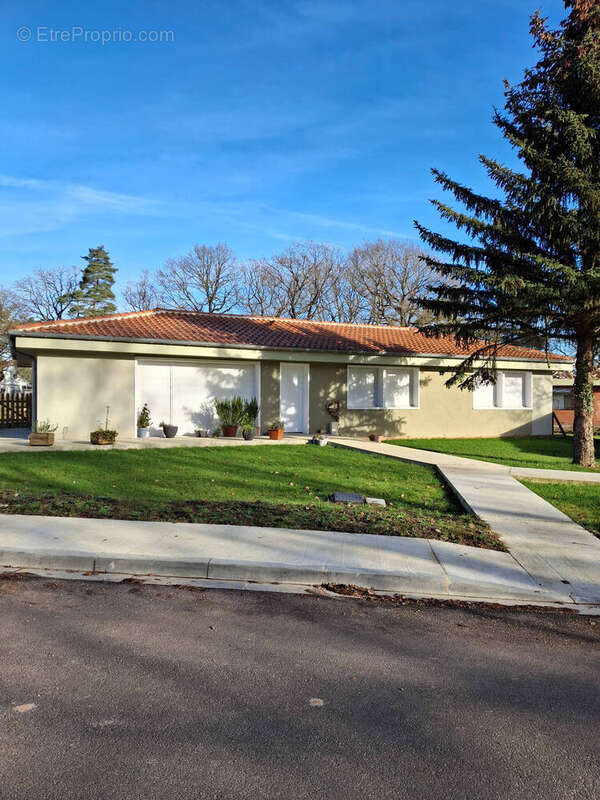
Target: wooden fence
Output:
[(15, 410)]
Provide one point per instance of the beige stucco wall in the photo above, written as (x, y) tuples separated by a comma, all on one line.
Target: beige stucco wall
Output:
[(442, 411), (73, 392), (269, 390)]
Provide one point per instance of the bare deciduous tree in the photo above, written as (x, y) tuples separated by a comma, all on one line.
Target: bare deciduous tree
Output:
[(391, 276), (48, 293), (11, 312), (260, 291), (142, 294), (379, 282), (203, 280), (297, 283)]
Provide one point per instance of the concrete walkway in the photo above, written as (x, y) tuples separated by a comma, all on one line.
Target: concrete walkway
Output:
[(554, 550), (239, 553)]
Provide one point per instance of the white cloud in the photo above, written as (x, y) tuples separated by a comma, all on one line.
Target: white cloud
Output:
[(31, 205)]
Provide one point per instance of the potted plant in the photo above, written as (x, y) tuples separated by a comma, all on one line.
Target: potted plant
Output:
[(143, 422), (376, 437), (42, 433), (276, 430), (170, 431), (231, 414), (248, 432), (104, 435), (318, 439)]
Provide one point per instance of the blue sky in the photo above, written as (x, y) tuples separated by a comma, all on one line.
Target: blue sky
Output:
[(259, 124)]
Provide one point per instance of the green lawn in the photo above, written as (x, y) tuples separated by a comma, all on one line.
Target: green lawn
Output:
[(261, 485), (580, 501), (543, 452)]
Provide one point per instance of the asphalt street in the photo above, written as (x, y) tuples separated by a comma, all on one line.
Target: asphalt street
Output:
[(128, 691)]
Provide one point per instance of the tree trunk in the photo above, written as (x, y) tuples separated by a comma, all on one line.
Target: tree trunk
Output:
[(583, 423)]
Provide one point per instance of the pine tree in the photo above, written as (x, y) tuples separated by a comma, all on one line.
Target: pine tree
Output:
[(95, 296), (529, 270)]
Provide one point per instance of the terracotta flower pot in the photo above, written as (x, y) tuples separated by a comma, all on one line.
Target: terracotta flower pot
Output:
[(230, 430), (276, 433)]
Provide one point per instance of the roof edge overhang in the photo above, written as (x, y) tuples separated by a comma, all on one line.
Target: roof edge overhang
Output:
[(322, 354)]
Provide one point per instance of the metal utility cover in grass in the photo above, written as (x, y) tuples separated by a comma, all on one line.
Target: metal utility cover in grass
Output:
[(347, 497)]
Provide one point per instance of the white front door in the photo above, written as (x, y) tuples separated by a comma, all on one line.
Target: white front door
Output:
[(293, 397)]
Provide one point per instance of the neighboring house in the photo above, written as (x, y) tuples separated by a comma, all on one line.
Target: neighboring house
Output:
[(562, 400), (386, 378), (12, 382)]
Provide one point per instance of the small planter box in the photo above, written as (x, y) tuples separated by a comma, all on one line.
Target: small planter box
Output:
[(103, 437), (41, 439), (230, 430), (143, 433), (276, 433)]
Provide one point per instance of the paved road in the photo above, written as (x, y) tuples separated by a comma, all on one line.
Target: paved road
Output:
[(159, 692)]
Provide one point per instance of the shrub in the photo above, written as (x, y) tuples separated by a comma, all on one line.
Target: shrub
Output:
[(251, 409), (144, 420), (43, 426)]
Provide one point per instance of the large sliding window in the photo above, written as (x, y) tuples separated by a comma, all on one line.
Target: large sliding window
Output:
[(383, 387), (512, 390)]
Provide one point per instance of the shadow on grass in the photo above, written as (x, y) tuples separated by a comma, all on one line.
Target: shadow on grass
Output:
[(275, 475)]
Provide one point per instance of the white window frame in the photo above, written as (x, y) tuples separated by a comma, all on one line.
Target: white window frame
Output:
[(498, 403), (414, 390)]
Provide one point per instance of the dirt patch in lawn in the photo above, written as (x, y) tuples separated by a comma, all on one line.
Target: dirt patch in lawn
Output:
[(457, 528)]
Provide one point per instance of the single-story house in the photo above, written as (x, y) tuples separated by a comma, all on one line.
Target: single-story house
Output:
[(562, 399), (386, 378)]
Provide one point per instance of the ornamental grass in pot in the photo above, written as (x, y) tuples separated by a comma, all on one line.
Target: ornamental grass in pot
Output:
[(231, 414)]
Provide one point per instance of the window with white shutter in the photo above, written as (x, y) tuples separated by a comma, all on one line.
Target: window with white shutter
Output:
[(362, 387), (512, 390), (383, 387)]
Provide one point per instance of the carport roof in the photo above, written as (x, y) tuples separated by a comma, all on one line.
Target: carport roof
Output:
[(164, 325)]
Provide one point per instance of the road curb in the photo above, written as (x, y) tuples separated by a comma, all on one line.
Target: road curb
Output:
[(422, 583)]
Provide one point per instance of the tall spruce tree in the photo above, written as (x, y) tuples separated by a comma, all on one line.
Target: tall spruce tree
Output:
[(95, 295), (529, 271)]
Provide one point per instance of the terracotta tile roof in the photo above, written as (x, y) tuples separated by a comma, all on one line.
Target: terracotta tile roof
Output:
[(268, 332)]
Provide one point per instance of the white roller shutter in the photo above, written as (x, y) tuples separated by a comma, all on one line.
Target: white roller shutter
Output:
[(183, 393)]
